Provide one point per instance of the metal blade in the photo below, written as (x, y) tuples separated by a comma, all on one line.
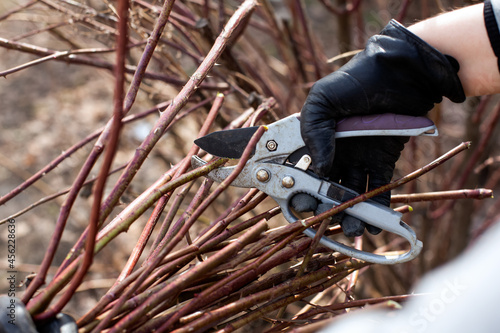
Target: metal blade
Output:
[(228, 143), (220, 174)]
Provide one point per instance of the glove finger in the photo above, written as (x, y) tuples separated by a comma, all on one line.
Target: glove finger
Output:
[(373, 229), (383, 198), (303, 202), (323, 207), (62, 323), (375, 181), (317, 124), (382, 168), (352, 227), (13, 310), (319, 137), (355, 179)]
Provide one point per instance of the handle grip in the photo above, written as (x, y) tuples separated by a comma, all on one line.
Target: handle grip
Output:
[(386, 124), (369, 212), (394, 225)]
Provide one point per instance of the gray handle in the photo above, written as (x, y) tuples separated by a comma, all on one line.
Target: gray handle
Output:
[(370, 212)]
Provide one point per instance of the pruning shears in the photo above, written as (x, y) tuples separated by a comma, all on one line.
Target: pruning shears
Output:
[(281, 167)]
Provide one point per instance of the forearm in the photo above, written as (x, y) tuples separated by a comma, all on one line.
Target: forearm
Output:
[(462, 35)]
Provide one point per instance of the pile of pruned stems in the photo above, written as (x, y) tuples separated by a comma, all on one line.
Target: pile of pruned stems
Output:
[(236, 270)]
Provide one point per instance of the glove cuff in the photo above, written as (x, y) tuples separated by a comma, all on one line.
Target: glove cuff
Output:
[(442, 68)]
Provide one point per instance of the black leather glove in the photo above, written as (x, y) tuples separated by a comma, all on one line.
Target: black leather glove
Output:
[(397, 72), (358, 158), (14, 318)]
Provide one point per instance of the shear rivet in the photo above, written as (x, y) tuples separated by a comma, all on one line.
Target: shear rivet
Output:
[(262, 175), (288, 181), (271, 145)]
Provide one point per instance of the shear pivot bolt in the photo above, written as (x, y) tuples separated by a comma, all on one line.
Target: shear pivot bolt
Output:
[(262, 175), (271, 145), (288, 181)]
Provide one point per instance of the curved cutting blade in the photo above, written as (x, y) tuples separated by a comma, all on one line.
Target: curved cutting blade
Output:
[(227, 143)]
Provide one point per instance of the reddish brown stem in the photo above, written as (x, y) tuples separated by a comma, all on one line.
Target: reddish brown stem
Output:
[(60, 225), (143, 238), (370, 194), (112, 145), (158, 297), (349, 8), (402, 12), (340, 306), (18, 9), (68, 152), (163, 201), (217, 315), (471, 163), (168, 115), (308, 38), (479, 194), (81, 60), (120, 224)]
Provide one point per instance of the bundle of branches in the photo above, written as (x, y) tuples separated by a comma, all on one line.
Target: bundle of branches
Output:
[(220, 64)]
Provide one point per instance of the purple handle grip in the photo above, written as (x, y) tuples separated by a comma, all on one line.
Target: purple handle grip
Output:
[(385, 124), (385, 121)]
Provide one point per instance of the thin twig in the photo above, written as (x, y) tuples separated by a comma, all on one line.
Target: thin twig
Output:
[(54, 56), (472, 161), (68, 152), (370, 194), (53, 196), (348, 9), (305, 262), (308, 38), (341, 306), (18, 9), (479, 194), (81, 60)]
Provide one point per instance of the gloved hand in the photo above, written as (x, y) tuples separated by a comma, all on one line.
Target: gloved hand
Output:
[(14, 318), (397, 72)]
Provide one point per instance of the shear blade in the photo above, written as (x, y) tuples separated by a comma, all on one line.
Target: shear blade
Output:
[(227, 143)]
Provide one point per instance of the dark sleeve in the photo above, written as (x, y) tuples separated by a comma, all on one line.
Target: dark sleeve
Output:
[(491, 20)]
